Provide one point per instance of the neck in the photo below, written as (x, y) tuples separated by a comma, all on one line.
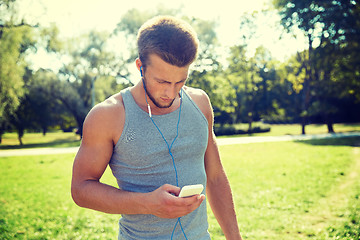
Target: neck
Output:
[(143, 101)]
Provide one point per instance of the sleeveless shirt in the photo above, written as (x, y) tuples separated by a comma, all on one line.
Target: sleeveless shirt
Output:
[(141, 163)]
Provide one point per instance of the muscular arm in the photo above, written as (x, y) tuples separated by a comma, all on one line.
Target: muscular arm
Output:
[(99, 134), (218, 188), (90, 163), (219, 193)]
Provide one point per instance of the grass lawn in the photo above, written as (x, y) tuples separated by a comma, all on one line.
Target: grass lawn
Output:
[(34, 140), (284, 190)]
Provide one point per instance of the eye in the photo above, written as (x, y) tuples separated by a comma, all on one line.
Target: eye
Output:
[(181, 82), (161, 81)]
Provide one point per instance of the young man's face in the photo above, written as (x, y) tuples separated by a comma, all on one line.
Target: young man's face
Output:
[(163, 81)]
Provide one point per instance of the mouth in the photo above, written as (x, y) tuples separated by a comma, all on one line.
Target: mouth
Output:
[(167, 100)]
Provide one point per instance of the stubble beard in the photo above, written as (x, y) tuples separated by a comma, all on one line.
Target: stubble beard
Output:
[(156, 103)]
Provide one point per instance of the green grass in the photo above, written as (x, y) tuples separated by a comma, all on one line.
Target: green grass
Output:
[(293, 190), (36, 140), (284, 190), (35, 202)]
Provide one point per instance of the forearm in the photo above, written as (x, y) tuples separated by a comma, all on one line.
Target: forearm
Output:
[(101, 197), (161, 202), (221, 201)]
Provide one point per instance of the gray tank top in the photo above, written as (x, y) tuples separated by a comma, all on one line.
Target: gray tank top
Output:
[(141, 163)]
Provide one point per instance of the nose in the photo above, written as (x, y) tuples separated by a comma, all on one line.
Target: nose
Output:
[(171, 91)]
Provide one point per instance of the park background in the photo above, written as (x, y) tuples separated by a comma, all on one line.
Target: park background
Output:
[(269, 67)]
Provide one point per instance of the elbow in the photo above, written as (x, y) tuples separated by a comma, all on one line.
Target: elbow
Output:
[(76, 195)]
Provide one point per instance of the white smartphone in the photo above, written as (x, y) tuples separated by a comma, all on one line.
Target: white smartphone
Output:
[(191, 190)]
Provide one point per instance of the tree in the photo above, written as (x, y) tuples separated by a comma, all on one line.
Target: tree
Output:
[(291, 75), (253, 79), (15, 39), (76, 82), (207, 73), (238, 75), (248, 74), (326, 24), (46, 108)]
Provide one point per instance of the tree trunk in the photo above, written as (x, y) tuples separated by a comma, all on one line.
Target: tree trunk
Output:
[(329, 124), (250, 126), (306, 87), (2, 130), (20, 140), (44, 130), (20, 135), (250, 115), (80, 123), (303, 125), (330, 127)]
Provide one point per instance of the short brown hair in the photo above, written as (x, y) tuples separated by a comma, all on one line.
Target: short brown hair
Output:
[(172, 39)]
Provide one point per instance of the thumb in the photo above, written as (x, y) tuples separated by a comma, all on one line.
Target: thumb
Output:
[(171, 189)]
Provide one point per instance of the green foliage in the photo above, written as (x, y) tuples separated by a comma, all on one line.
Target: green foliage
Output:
[(49, 37), (255, 82), (88, 77), (11, 69), (15, 40), (335, 20), (131, 21), (237, 129), (319, 84), (332, 29)]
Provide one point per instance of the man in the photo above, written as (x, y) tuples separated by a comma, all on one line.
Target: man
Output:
[(156, 137)]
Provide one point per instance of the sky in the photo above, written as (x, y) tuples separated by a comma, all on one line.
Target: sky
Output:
[(74, 17)]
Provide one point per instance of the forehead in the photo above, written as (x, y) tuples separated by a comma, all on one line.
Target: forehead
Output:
[(164, 70)]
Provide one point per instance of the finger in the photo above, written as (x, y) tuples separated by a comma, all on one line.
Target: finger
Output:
[(198, 200), (194, 200), (201, 197), (171, 189)]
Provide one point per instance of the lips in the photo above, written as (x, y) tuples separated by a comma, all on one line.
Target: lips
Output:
[(166, 99)]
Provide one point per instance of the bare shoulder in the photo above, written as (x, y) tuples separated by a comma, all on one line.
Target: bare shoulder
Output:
[(106, 119), (201, 99)]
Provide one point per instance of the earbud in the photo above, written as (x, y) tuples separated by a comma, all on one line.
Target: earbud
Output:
[(149, 109)]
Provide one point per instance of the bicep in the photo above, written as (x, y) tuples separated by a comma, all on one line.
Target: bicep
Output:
[(90, 162), (212, 160), (213, 166)]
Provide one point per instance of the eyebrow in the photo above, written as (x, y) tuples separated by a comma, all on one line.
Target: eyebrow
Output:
[(162, 80)]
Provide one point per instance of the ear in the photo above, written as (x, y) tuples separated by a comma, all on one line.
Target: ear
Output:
[(138, 63)]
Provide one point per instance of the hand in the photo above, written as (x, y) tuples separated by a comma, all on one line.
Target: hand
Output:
[(164, 203)]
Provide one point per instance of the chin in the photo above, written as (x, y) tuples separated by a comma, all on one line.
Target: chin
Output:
[(164, 106)]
